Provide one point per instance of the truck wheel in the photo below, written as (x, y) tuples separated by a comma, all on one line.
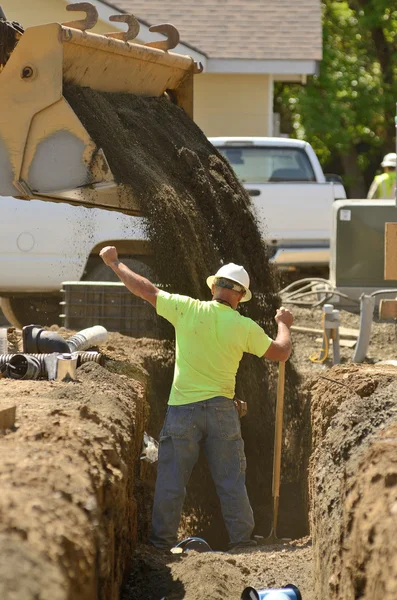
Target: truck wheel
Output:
[(37, 309)]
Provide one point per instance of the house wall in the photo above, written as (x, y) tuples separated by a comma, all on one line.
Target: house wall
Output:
[(228, 104), (39, 12)]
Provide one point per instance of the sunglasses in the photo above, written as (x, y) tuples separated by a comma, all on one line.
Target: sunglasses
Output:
[(229, 284)]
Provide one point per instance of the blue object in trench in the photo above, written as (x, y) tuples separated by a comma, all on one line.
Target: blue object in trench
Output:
[(194, 543), (289, 592)]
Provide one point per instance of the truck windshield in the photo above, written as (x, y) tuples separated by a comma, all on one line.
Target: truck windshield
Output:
[(259, 164)]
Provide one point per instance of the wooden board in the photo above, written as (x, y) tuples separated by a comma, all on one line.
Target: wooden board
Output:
[(344, 332), (342, 343), (388, 309), (7, 417), (391, 251)]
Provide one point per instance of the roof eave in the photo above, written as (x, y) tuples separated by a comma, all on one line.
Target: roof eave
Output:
[(105, 10), (263, 66)]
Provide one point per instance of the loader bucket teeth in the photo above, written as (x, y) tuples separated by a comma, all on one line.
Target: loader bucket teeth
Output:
[(132, 31), (171, 33), (45, 151), (91, 17)]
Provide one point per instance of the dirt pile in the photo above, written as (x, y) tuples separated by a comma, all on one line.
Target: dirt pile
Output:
[(197, 217), (68, 513), (353, 483), (68, 504), (218, 576)]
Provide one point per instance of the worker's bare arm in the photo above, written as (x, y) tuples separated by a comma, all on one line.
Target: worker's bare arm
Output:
[(280, 348), (138, 285)]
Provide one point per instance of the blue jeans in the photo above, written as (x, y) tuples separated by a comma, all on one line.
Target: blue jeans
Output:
[(216, 423)]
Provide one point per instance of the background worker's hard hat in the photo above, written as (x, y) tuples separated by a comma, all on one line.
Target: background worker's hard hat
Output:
[(235, 273), (389, 160)]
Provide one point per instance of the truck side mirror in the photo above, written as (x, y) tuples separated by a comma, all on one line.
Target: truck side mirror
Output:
[(333, 178)]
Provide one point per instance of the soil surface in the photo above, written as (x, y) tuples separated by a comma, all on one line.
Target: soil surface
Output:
[(345, 407), (195, 576), (68, 513)]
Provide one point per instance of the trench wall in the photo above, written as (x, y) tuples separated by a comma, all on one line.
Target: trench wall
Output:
[(353, 483), (68, 511)]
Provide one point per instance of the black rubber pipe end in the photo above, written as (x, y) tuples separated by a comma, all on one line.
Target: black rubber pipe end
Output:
[(38, 340)]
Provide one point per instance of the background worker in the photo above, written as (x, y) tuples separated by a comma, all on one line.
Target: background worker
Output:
[(383, 186), (211, 338)]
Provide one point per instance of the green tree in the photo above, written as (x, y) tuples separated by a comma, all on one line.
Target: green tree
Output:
[(347, 111)]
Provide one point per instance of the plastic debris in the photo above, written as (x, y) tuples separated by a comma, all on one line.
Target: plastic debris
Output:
[(150, 449)]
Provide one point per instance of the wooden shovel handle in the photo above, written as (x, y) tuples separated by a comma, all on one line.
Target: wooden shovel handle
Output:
[(278, 434)]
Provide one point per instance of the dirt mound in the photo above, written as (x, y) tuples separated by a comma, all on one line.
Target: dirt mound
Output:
[(353, 483), (68, 515), (218, 576)]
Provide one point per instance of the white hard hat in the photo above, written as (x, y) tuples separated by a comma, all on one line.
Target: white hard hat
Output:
[(235, 273), (389, 160)]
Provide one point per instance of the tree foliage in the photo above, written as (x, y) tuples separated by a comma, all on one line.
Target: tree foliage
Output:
[(347, 111)]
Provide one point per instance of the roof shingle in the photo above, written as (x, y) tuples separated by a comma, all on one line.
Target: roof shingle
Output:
[(243, 29)]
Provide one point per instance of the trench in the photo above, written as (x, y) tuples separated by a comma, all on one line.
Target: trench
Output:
[(201, 515), (153, 574), (76, 498), (351, 421)]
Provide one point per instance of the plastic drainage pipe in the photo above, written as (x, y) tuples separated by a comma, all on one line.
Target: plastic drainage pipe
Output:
[(23, 366), (367, 307), (82, 358), (92, 336)]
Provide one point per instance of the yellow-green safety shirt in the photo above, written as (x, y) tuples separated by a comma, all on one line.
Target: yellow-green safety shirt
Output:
[(210, 340), (383, 187)]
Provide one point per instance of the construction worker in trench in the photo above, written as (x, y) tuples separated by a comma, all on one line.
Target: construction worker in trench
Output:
[(211, 338), (383, 186)]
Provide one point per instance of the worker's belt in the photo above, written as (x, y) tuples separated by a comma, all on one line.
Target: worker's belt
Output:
[(241, 407)]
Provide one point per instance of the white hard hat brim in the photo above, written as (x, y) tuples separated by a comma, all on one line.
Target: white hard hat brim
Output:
[(388, 163), (247, 296)]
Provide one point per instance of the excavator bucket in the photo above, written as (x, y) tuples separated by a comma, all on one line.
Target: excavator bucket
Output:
[(45, 151)]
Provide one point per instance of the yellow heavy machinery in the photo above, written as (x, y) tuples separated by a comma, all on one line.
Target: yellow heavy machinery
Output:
[(45, 152)]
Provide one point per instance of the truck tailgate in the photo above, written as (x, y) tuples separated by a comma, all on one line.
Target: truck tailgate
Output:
[(293, 211)]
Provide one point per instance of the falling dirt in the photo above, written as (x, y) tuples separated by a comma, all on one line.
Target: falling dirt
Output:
[(197, 217)]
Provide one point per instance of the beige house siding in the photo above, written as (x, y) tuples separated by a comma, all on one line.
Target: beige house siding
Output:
[(232, 104), (39, 12)]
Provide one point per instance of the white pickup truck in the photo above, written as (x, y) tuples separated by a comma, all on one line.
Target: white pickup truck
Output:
[(43, 244), (291, 196)]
